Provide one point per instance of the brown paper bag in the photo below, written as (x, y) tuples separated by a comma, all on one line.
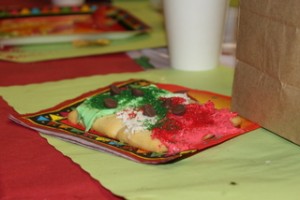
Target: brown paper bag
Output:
[(267, 78)]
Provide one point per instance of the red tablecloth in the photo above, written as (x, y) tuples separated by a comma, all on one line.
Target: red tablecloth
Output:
[(29, 167), (20, 74), (32, 169)]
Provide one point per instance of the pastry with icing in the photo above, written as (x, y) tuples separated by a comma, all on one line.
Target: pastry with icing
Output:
[(154, 119)]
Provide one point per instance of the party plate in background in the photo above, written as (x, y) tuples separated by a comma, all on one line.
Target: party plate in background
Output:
[(67, 24)]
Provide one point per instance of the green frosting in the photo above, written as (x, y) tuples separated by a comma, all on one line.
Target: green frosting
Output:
[(94, 108)]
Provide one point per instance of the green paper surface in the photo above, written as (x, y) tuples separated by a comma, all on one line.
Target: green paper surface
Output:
[(141, 9), (256, 165)]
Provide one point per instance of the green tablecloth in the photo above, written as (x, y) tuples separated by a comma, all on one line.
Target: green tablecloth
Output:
[(256, 165)]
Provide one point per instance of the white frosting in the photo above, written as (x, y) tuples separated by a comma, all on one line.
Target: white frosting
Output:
[(134, 120)]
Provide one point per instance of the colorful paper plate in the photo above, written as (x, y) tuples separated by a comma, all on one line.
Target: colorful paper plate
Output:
[(53, 122)]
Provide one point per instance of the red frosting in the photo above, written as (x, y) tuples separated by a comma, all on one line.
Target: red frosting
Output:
[(187, 132)]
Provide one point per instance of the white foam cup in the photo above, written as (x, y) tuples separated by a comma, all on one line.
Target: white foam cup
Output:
[(194, 32)]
